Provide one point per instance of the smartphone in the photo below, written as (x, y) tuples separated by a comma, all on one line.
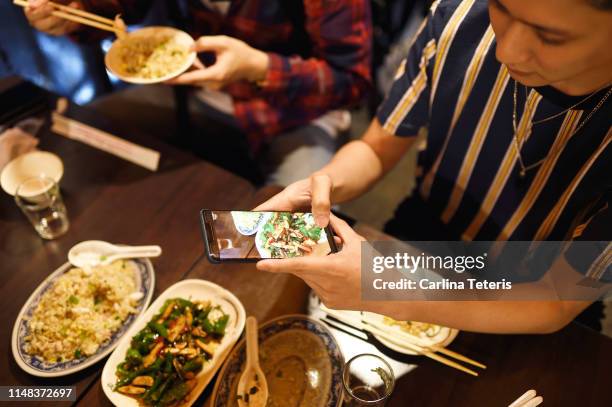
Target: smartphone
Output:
[(252, 235)]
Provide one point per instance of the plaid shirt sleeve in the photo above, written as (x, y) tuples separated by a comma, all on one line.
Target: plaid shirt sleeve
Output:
[(296, 90)]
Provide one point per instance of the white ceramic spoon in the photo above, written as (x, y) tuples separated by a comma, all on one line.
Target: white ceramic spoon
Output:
[(91, 253), (252, 383)]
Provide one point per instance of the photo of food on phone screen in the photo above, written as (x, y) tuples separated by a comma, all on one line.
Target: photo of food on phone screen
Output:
[(265, 235)]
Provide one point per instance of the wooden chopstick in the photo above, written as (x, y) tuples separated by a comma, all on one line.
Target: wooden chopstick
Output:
[(84, 21), (418, 341), (418, 349), (528, 395), (393, 339), (536, 401), (78, 16), (81, 13)]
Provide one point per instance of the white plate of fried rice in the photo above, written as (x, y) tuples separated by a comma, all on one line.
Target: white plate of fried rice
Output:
[(77, 316)]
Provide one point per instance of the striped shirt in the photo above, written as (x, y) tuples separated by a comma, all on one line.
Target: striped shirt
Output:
[(469, 174)]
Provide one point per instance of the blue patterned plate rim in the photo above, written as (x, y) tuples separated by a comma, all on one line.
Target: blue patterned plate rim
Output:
[(234, 360), (36, 366)]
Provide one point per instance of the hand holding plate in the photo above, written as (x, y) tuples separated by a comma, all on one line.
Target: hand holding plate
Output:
[(235, 61)]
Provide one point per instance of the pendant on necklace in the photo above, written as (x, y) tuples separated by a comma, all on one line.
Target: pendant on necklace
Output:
[(523, 172)]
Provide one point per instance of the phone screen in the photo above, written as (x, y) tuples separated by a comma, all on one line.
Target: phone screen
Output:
[(251, 235)]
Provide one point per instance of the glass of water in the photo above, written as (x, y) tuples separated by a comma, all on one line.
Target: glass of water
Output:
[(40, 200), (368, 380)]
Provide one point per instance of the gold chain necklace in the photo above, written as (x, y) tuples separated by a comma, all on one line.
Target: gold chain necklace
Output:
[(519, 146)]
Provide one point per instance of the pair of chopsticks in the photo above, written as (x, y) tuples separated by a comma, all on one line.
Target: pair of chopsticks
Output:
[(116, 26), (403, 340), (528, 399)]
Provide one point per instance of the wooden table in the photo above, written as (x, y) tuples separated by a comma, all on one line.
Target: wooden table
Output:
[(113, 200)]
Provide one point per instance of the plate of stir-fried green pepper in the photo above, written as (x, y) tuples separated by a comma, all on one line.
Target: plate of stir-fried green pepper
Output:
[(174, 349)]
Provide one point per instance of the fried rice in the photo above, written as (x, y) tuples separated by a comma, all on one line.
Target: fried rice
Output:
[(153, 57), (81, 311)]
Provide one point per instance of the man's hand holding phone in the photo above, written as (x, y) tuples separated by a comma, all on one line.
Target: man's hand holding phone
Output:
[(314, 192), (336, 278)]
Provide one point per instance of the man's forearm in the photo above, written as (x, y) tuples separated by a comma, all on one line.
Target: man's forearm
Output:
[(359, 164), (353, 170)]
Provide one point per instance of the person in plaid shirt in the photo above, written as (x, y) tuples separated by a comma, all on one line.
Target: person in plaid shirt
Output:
[(280, 73)]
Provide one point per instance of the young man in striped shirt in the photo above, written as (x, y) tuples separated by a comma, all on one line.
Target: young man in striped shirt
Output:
[(515, 97)]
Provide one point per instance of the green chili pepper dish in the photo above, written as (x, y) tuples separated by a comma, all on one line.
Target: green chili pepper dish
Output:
[(164, 357)]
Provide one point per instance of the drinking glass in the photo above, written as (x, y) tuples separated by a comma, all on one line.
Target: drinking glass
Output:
[(368, 380), (40, 200)]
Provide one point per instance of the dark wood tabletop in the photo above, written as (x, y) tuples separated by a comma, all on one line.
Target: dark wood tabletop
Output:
[(110, 199)]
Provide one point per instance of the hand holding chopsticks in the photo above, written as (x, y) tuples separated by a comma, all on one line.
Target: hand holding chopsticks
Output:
[(405, 341), (76, 15)]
